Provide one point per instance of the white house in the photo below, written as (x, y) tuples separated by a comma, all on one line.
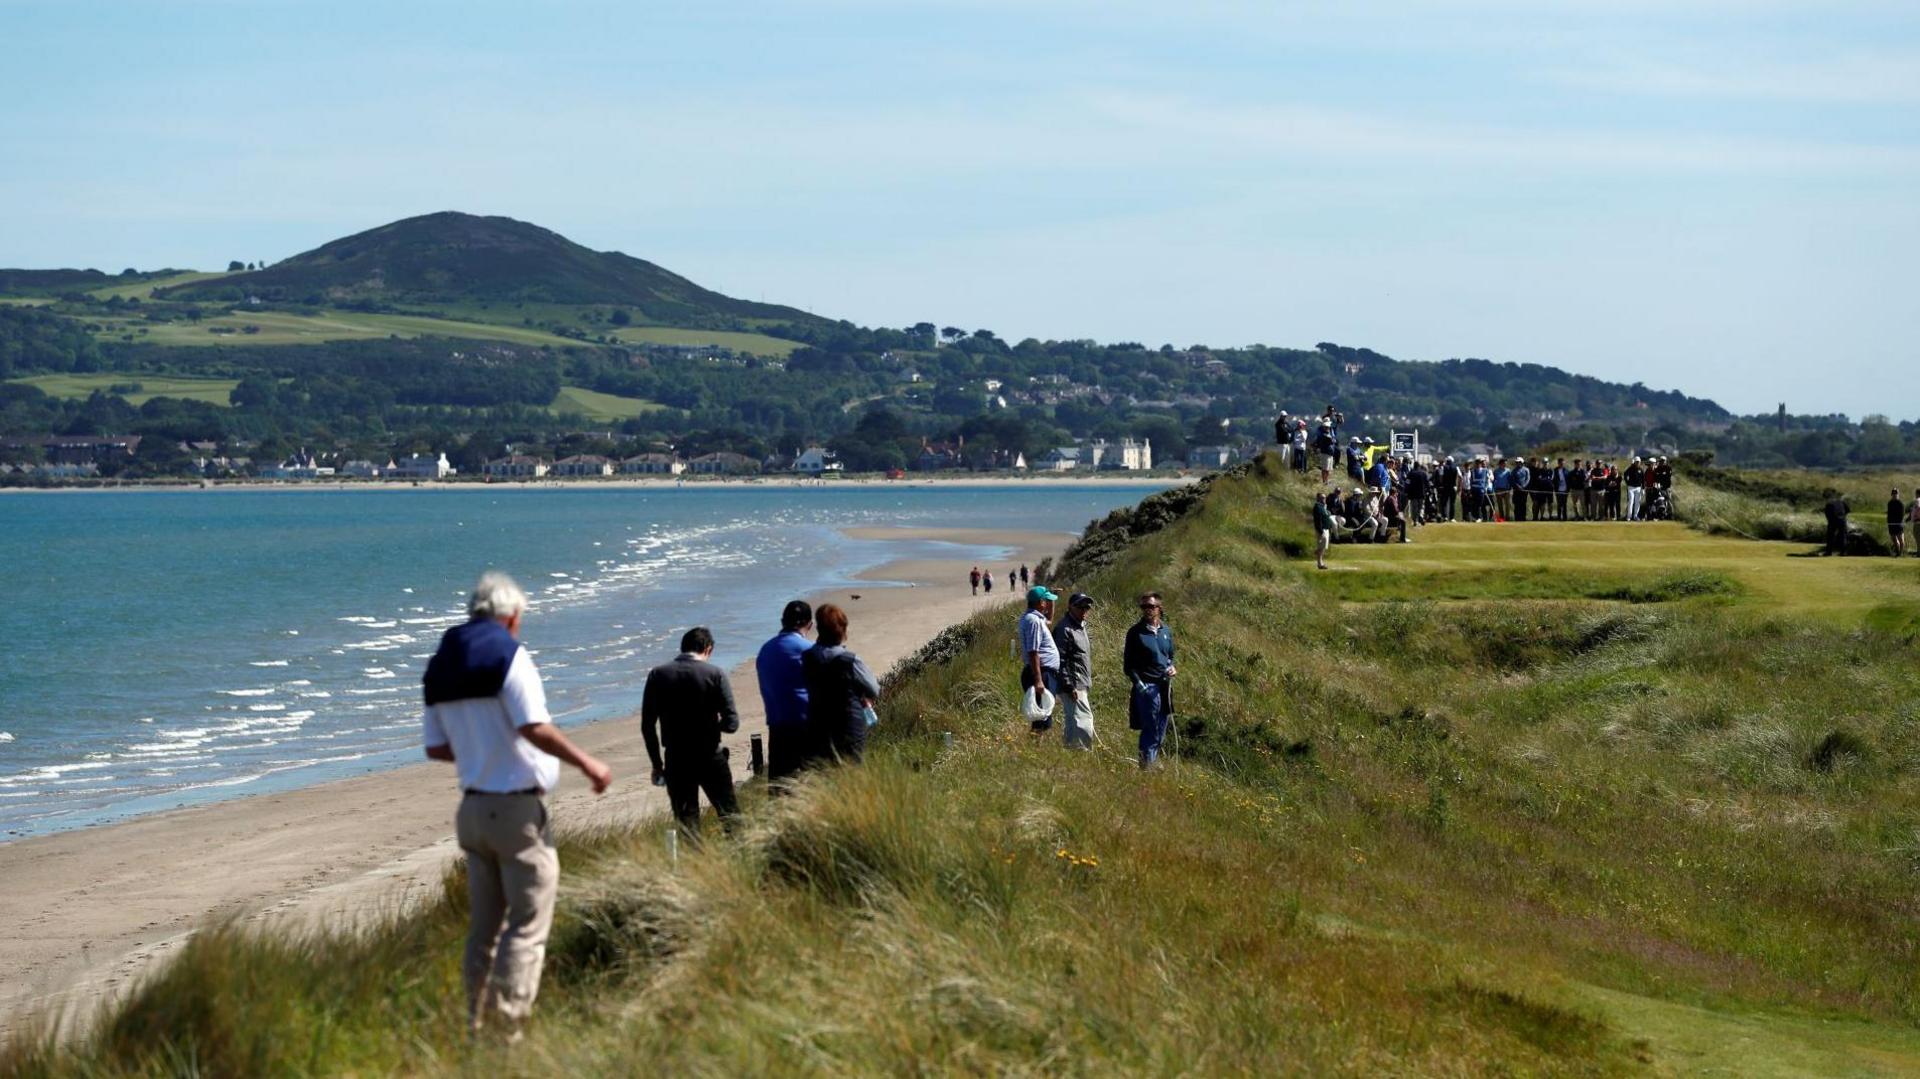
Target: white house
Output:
[(1130, 455), (361, 469), (816, 459), (301, 466), (653, 464), (518, 466), (583, 464), (420, 466)]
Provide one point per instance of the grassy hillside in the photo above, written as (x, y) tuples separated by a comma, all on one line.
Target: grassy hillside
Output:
[(137, 389), (145, 288), (287, 328), (600, 407), (1412, 826), (455, 258), (758, 344)]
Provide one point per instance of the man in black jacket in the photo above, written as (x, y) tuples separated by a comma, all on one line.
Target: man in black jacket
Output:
[(1837, 511), (691, 704), (1418, 483)]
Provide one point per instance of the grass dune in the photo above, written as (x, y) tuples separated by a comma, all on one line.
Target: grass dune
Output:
[(1409, 829)]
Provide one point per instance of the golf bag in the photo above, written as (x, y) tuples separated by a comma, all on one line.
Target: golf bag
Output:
[(1659, 505)]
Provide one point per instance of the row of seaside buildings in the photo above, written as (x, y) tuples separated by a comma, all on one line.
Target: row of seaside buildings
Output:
[(76, 457)]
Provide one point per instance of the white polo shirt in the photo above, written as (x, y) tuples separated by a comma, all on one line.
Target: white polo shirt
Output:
[(488, 752)]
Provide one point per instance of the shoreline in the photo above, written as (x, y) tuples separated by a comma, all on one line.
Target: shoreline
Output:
[(93, 909), (621, 483)]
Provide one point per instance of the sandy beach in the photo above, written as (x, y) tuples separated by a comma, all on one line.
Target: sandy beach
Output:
[(91, 909)]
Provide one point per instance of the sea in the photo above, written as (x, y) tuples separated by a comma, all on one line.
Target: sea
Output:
[(172, 648)]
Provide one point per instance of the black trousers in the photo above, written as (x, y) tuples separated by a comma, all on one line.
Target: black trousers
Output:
[(1560, 505), (688, 775), (787, 750), (1519, 504)]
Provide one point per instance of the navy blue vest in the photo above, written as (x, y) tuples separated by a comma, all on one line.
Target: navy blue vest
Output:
[(472, 662)]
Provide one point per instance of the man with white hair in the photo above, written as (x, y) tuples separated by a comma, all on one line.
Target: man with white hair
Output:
[(486, 713)]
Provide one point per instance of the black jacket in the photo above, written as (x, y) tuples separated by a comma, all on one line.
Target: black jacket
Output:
[(691, 704), (838, 687)]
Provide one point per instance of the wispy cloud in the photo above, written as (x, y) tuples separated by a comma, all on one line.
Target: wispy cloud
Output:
[(1305, 129), (1890, 77)]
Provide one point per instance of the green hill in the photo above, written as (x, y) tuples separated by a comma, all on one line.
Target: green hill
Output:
[(50, 283), (1487, 834), (453, 259)]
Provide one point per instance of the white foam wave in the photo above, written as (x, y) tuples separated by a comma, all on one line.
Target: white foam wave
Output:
[(267, 663)]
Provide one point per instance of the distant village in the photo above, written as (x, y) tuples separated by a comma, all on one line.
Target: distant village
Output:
[(81, 457)]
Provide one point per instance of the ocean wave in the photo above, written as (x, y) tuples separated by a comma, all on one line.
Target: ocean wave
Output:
[(5, 737), (245, 692), (267, 663)]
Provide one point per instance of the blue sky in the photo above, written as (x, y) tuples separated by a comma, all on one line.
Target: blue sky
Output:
[(1718, 197)]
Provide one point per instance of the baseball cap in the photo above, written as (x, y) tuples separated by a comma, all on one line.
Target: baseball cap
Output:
[(1079, 599), (1039, 592)]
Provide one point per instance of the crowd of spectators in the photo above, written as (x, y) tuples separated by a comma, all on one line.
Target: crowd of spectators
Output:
[(1390, 494)]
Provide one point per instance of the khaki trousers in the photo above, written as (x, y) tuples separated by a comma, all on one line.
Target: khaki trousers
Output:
[(513, 873)]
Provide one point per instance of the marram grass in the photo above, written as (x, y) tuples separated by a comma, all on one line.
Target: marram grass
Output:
[(1410, 827)]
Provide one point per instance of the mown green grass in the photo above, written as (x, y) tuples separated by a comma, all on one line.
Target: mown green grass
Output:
[(600, 407), (1598, 560), (1511, 835), (214, 391), (757, 344), (286, 328)]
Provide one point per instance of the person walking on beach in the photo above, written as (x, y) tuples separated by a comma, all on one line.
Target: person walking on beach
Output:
[(1039, 656), (986, 582), (1023, 573), (1148, 661), (486, 713), (1076, 672), (841, 691), (1897, 524), (783, 689), (973, 579), (688, 705)]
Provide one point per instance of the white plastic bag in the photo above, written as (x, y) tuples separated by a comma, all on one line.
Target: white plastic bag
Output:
[(1037, 703)]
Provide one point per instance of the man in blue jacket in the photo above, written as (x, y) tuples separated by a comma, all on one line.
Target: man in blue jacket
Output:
[(783, 689), (1522, 480), (1148, 661)]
